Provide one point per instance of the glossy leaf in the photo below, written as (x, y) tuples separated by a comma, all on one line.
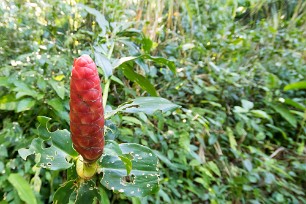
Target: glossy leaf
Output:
[(143, 178)]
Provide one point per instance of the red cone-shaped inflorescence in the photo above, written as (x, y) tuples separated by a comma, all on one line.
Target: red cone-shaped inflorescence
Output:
[(86, 109)]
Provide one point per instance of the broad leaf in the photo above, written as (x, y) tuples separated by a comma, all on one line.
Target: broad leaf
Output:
[(146, 105), (60, 138), (143, 177), (104, 63), (51, 157), (58, 87), (87, 192), (102, 22), (25, 104)]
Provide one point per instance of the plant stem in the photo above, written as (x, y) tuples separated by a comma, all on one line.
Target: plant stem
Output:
[(105, 92)]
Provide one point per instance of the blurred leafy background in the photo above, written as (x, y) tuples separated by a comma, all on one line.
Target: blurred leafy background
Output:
[(239, 136)]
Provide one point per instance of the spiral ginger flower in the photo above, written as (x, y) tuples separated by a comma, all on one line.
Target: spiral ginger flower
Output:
[(86, 109)]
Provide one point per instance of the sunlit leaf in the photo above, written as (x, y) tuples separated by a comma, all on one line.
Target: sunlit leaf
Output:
[(296, 85)]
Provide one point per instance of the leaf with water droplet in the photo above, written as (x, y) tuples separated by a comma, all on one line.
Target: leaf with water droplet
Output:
[(142, 179), (87, 192)]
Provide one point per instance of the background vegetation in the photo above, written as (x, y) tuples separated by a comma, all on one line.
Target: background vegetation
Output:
[(239, 135)]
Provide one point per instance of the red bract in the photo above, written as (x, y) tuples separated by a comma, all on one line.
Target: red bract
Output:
[(86, 109)]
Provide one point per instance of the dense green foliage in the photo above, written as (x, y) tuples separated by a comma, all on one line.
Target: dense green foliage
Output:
[(239, 134)]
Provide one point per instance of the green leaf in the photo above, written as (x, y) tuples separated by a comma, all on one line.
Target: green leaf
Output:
[(62, 194), (56, 104), (123, 60), (8, 102), (296, 85), (104, 196), (231, 137), (187, 46), (147, 44), (104, 63), (146, 105), (87, 192), (132, 120), (128, 164), (159, 60), (261, 114), (23, 89), (51, 157), (248, 165), (23, 188), (139, 79), (212, 166), (247, 104), (162, 60), (102, 22), (60, 138), (58, 87), (143, 178), (184, 141), (278, 129), (285, 113), (295, 104), (25, 104)]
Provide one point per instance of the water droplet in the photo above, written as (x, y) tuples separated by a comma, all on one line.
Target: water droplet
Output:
[(138, 190), (121, 190), (132, 192), (150, 154), (112, 188), (148, 185)]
